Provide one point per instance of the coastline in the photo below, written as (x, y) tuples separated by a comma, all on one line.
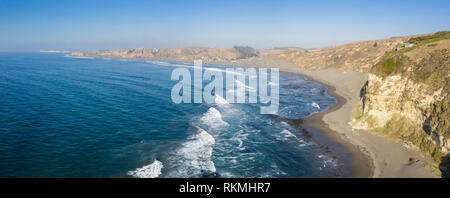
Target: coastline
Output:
[(360, 162), (372, 155)]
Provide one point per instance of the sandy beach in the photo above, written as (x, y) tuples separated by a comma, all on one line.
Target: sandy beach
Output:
[(372, 155)]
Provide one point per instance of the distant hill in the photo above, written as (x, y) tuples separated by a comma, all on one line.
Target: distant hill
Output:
[(358, 56), (184, 54)]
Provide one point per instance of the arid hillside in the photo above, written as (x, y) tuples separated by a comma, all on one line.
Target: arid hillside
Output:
[(182, 54), (357, 56)]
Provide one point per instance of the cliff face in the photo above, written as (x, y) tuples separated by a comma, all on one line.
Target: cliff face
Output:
[(399, 107), (407, 96)]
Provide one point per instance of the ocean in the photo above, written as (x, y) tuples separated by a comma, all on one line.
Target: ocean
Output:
[(62, 116)]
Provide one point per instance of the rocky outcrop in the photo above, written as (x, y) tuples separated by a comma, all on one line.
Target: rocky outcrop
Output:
[(407, 97), (399, 107)]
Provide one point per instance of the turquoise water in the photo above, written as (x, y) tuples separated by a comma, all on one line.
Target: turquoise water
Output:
[(80, 117)]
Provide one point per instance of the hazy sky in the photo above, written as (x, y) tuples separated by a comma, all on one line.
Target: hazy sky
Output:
[(98, 24)]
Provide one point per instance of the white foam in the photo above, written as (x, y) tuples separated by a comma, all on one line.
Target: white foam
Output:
[(227, 175), (220, 100), (327, 161), (197, 152), (287, 134), (272, 83), (213, 118), (241, 85), (149, 171), (80, 57), (239, 139), (168, 64), (314, 104), (241, 88), (284, 123), (224, 71)]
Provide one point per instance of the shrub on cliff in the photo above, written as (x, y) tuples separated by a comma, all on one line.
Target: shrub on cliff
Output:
[(430, 38)]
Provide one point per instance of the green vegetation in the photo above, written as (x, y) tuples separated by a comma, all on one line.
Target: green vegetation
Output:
[(400, 128), (426, 40), (391, 128), (433, 70), (430, 70), (371, 121), (440, 117), (430, 38), (388, 65), (435, 79), (358, 112)]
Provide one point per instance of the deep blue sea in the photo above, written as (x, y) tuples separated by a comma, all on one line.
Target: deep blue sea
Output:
[(62, 116)]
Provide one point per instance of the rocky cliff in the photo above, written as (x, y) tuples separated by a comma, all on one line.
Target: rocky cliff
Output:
[(407, 96)]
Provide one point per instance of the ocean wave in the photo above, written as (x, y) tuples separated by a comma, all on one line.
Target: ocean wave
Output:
[(327, 162), (225, 71), (241, 88), (314, 104), (241, 85), (220, 100), (168, 64), (196, 153), (239, 138), (149, 171), (80, 57), (287, 134), (213, 118)]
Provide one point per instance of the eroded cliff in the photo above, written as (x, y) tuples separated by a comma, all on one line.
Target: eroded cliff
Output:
[(407, 96)]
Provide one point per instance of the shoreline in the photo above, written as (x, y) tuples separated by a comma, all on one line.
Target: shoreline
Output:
[(372, 155), (360, 163)]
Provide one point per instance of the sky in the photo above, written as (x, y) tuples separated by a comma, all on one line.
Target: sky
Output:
[(105, 25)]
